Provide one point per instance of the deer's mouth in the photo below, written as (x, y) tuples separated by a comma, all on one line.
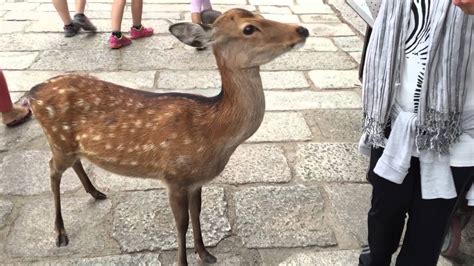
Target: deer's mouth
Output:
[(298, 44)]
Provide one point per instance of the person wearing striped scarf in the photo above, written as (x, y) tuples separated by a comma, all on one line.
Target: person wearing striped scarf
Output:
[(418, 127)]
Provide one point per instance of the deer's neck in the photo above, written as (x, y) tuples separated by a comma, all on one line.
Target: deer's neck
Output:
[(242, 105)]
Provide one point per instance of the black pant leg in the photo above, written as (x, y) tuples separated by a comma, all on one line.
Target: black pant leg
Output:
[(386, 218), (428, 221)]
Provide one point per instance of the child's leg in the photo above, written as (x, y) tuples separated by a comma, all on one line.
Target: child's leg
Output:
[(428, 220), (80, 6), (117, 14), (206, 5), (63, 11), (196, 11), (138, 31), (386, 218), (137, 8)]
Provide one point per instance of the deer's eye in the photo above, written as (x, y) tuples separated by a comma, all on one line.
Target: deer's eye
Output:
[(249, 29)]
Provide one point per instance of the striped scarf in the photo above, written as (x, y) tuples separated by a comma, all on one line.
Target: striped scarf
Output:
[(444, 89)]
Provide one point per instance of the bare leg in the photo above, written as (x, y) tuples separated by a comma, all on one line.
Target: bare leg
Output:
[(63, 11), (80, 6), (196, 17), (86, 182), (179, 205), (117, 14), (137, 9), (195, 211)]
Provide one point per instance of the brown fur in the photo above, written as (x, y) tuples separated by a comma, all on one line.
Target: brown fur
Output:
[(184, 140)]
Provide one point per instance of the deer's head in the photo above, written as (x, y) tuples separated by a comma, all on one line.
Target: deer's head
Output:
[(242, 39)]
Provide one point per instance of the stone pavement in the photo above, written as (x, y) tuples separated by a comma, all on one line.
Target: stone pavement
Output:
[(294, 194)]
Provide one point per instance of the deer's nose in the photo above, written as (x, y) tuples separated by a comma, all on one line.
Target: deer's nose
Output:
[(302, 31)]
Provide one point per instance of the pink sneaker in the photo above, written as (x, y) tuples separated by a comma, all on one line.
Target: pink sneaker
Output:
[(116, 43), (142, 32)]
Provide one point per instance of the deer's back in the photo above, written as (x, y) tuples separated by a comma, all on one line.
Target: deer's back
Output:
[(127, 131)]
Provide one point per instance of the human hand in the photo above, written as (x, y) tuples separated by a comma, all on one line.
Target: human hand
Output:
[(466, 5)]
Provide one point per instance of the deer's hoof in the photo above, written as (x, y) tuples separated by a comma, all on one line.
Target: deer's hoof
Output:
[(98, 195), (208, 258), (62, 240)]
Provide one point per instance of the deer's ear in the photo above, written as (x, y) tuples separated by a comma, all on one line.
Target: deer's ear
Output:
[(196, 35)]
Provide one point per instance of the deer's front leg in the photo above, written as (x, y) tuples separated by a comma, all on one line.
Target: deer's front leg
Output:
[(179, 205), (195, 210)]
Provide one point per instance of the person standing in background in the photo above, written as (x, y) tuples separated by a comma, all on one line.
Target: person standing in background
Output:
[(72, 26)]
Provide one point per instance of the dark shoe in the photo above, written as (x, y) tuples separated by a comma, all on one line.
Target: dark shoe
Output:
[(84, 22), (365, 258), (209, 16), (71, 29)]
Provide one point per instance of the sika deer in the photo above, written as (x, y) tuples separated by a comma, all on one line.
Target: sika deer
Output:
[(184, 140)]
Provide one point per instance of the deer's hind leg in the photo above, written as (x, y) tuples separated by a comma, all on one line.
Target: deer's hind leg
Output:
[(86, 182), (58, 164)]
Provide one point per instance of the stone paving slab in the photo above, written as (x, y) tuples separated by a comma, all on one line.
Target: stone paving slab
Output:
[(333, 29), (280, 126), (260, 163), (331, 162), (107, 181), (6, 208), (333, 258), (33, 232), (335, 125), (13, 26), (350, 44), (276, 216), (336, 258), (25, 80), (305, 100), (153, 228), (311, 61), (335, 79), (318, 18), (352, 217), (186, 80), (14, 137), (319, 44), (27, 173), (317, 8), (126, 259), (82, 41), (274, 10), (17, 60)]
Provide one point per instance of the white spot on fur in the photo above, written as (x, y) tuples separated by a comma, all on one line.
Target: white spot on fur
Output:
[(148, 125), (120, 147), (164, 144), (80, 102), (201, 149), (54, 128), (134, 163), (187, 141), (111, 135), (148, 147), (138, 123), (50, 110), (108, 147), (39, 102), (62, 91), (98, 137), (66, 127), (150, 112), (63, 138), (84, 136)]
